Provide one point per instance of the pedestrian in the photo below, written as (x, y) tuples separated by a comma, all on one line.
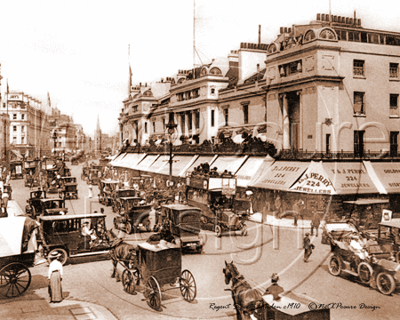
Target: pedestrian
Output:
[(55, 278), (275, 289), (4, 203), (315, 222), (308, 247), (296, 211), (90, 191)]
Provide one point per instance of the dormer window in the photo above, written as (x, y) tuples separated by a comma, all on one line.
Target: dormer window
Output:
[(327, 34), (310, 35), (215, 71)]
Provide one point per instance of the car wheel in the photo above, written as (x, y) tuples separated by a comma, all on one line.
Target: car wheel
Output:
[(64, 255), (365, 272), (385, 283), (218, 230), (335, 265)]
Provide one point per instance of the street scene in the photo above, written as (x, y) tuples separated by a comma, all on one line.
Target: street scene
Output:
[(262, 183)]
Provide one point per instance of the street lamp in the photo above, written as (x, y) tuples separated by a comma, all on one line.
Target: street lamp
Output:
[(55, 141), (171, 128)]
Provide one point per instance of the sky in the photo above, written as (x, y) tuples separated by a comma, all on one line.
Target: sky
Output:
[(77, 51)]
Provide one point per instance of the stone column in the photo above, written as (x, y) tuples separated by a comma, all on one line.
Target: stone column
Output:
[(285, 123)]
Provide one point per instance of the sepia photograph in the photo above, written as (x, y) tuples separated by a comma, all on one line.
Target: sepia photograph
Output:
[(199, 159)]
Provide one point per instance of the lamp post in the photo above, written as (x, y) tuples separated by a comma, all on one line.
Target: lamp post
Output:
[(55, 141), (171, 128)]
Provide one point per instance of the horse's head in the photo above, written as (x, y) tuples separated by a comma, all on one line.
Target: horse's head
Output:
[(230, 271)]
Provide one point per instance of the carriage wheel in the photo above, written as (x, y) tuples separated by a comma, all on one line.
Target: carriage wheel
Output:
[(64, 255), (128, 281), (218, 230), (365, 272), (15, 278), (187, 285), (153, 293), (385, 283), (244, 230), (335, 265), (128, 227)]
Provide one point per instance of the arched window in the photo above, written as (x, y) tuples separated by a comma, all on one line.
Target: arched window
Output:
[(181, 80), (204, 72), (328, 34), (272, 48), (215, 71), (310, 35)]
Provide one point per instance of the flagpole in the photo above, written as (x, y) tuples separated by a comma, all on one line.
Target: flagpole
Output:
[(8, 118)]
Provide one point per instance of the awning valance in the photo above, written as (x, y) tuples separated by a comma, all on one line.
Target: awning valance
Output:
[(161, 161), (388, 174), (115, 162), (350, 178), (130, 160), (200, 160), (281, 175), (145, 162)]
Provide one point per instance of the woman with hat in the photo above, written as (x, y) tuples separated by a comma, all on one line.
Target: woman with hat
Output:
[(55, 277), (275, 289)]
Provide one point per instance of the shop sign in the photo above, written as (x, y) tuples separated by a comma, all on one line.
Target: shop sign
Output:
[(279, 174), (313, 182)]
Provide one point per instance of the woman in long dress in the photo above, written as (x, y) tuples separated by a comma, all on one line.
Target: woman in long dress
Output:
[(55, 278)]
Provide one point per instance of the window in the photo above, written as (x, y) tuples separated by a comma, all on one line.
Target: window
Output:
[(134, 108), (394, 71), (15, 128), (145, 127), (394, 105), (154, 126), (212, 118), (358, 68), (393, 143), (22, 117), (212, 90), (14, 139), (359, 103), (190, 119), (22, 128), (358, 143), (246, 114), (183, 124), (328, 143), (14, 116), (163, 124), (197, 119), (4, 105), (22, 140), (226, 116), (290, 68)]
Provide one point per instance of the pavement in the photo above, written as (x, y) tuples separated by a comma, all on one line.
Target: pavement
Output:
[(28, 307)]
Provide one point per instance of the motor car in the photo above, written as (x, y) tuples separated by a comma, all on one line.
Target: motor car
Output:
[(133, 215), (184, 223), (38, 204), (116, 201), (68, 188), (63, 234), (107, 190)]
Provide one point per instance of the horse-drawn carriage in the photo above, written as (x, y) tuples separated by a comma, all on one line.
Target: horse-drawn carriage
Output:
[(215, 197), (155, 266), (16, 169), (364, 259), (68, 188), (107, 189), (17, 254), (133, 215), (251, 303), (94, 175), (78, 158)]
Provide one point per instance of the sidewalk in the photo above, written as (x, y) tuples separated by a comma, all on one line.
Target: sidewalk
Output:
[(42, 309), (284, 222)]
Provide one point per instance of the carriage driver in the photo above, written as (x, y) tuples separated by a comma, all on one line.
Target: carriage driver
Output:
[(357, 247), (86, 232)]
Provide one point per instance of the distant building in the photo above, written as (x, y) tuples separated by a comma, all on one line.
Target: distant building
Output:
[(4, 137), (97, 138)]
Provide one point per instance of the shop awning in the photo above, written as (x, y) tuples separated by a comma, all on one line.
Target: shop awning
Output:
[(388, 174), (350, 178), (267, 162), (229, 163), (314, 180), (179, 165), (145, 163), (248, 170), (158, 164), (115, 162), (200, 160), (281, 175), (130, 160)]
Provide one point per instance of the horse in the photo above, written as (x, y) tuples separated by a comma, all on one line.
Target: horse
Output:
[(121, 251), (246, 299)]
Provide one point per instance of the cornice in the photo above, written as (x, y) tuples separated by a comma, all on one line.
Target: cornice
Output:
[(196, 82), (304, 80)]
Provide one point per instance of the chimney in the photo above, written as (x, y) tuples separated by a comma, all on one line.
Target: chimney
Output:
[(258, 68), (285, 30), (318, 16), (323, 17), (281, 30), (289, 30), (259, 33)]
